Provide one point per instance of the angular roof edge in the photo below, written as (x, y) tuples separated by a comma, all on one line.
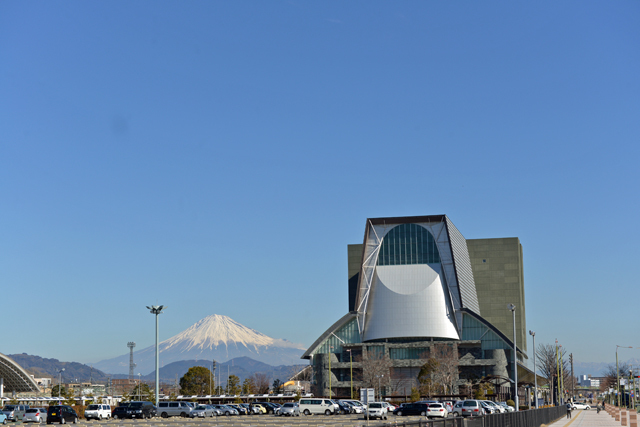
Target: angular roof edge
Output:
[(344, 319)]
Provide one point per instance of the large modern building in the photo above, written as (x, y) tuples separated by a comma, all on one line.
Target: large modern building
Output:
[(417, 285)]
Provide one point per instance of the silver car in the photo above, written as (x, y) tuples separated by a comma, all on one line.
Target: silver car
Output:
[(34, 415), (202, 411), (290, 409), (226, 410)]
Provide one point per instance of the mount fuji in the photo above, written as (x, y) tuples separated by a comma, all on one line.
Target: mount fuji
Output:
[(215, 337)]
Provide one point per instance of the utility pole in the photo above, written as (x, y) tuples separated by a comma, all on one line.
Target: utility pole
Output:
[(573, 380)]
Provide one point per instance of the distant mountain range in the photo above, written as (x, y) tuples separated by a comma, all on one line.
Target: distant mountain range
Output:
[(215, 337), (242, 367), (48, 368)]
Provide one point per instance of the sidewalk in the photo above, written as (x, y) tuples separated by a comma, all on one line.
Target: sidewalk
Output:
[(588, 418)]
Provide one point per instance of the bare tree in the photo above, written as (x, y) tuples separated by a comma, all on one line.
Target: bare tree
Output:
[(611, 375), (549, 359), (375, 370), (261, 382), (446, 371)]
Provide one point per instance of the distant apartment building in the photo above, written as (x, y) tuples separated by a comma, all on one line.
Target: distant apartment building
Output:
[(589, 381)]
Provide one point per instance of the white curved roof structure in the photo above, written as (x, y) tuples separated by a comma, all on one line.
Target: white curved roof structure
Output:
[(15, 378)]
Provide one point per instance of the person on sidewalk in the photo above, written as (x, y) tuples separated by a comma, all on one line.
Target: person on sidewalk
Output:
[(568, 409)]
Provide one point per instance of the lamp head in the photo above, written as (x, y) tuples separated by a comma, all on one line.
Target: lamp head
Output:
[(511, 307), (533, 334)]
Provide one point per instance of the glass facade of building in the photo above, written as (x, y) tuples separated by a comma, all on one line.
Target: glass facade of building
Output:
[(408, 244), (473, 329), (408, 353), (348, 333)]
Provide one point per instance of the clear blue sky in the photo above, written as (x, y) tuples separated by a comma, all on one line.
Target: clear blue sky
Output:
[(218, 157)]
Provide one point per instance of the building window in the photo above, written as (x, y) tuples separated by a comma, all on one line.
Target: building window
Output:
[(408, 244), (409, 353)]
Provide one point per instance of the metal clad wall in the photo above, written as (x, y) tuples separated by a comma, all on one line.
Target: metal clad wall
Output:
[(409, 301), (463, 270)]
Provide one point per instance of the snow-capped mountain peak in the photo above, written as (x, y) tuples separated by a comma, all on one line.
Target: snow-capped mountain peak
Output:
[(214, 337), (216, 330)]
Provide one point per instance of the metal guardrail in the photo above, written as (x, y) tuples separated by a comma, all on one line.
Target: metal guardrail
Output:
[(529, 418)]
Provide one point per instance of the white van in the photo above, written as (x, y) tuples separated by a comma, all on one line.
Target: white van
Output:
[(98, 412), (317, 406)]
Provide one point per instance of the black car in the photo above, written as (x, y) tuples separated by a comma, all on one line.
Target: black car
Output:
[(61, 414), (345, 408), (134, 410), (412, 409)]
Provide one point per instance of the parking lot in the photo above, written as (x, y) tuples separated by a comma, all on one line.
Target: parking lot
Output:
[(250, 421)]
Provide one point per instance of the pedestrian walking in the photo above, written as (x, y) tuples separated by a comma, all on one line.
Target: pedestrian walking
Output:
[(568, 409)]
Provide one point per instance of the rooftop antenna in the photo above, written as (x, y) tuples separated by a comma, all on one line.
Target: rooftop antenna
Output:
[(132, 365)]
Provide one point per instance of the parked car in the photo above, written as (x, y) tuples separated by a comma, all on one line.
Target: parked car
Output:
[(471, 408), (272, 408), (61, 414), (241, 409), (174, 409), (580, 405), (355, 408), (390, 407), (416, 408), (136, 409), (497, 408), (15, 412), (250, 409), (226, 410), (35, 415), (290, 409), (343, 407), (487, 408), (376, 410), (202, 411), (3, 418), (507, 407), (437, 410), (97, 412), (317, 406), (259, 407)]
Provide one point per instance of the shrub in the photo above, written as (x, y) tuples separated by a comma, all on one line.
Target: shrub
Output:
[(511, 403)]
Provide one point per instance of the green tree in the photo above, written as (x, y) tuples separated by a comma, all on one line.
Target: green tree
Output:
[(56, 393), (248, 386), (277, 384), (425, 377), (143, 392), (197, 380), (415, 394), (233, 387)]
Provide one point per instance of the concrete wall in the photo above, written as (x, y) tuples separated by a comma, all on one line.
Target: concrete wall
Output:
[(499, 276)]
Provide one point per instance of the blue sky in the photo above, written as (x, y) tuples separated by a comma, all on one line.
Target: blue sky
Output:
[(218, 157)]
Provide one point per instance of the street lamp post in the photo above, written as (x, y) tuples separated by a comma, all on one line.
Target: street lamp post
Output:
[(379, 388), (60, 384), (351, 364), (330, 348), (618, 375), (512, 307), (535, 375), (157, 309)]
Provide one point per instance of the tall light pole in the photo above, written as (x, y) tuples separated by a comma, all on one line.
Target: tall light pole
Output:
[(618, 375), (512, 307), (379, 389), (330, 348), (157, 309), (535, 375), (351, 363), (60, 384)]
